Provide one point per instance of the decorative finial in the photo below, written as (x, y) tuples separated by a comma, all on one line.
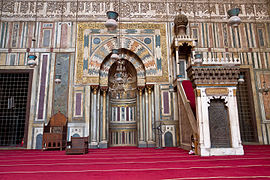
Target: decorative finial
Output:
[(180, 9), (180, 22)]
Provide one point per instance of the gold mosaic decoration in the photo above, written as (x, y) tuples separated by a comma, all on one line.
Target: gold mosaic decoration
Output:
[(80, 78)]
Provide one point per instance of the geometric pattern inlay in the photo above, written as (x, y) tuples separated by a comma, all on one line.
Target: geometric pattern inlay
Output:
[(95, 44)]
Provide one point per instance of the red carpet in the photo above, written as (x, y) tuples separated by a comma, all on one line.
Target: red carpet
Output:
[(133, 163), (187, 85)]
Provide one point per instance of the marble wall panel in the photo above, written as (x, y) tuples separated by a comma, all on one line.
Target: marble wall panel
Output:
[(61, 90)]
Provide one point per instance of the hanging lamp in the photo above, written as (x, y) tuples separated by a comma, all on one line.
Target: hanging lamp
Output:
[(234, 19), (198, 55), (198, 58), (111, 23), (31, 58), (57, 79), (115, 55), (264, 88), (241, 79)]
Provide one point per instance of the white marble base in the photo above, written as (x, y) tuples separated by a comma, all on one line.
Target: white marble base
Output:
[(93, 145), (221, 151), (142, 144), (151, 144), (103, 144)]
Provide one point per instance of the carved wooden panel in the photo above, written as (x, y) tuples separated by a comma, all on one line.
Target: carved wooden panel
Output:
[(219, 124)]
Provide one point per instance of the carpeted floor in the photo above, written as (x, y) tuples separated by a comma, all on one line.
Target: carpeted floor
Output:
[(129, 163)]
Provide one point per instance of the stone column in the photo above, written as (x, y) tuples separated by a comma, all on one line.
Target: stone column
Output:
[(177, 61), (150, 141), (94, 143), (142, 143), (234, 121), (104, 142), (87, 110)]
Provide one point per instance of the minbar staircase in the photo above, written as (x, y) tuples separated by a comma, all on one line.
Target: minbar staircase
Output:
[(187, 121)]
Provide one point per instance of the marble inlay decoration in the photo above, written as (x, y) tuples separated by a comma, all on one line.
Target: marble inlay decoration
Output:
[(42, 87), (166, 106), (92, 53), (78, 109), (61, 90)]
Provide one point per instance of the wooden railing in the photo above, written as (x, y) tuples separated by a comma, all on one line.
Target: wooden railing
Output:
[(218, 61), (187, 108), (187, 113)]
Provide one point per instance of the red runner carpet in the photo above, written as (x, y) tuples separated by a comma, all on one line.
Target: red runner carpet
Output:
[(129, 163), (187, 85)]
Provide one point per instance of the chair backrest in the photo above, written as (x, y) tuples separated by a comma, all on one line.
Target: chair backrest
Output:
[(55, 133), (58, 119)]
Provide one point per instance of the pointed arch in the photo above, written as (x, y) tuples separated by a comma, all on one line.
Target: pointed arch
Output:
[(129, 56), (142, 52)]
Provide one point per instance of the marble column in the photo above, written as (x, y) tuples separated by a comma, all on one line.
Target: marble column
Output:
[(150, 141), (104, 142), (87, 110), (142, 143), (234, 121), (177, 61), (94, 142)]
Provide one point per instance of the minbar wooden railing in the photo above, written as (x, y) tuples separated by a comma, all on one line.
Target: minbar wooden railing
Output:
[(188, 122)]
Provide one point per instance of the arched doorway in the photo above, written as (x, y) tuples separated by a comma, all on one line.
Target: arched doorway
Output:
[(168, 139), (122, 99)]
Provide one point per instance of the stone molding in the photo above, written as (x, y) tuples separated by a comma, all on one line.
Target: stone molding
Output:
[(88, 10)]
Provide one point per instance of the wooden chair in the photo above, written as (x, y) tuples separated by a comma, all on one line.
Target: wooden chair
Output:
[(77, 145), (55, 133)]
